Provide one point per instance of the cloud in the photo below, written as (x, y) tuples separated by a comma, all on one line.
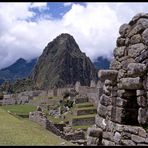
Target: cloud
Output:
[(67, 4), (95, 27)]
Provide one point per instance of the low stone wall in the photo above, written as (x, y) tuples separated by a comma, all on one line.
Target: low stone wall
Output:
[(42, 120), (83, 121), (9, 100), (81, 100), (58, 129), (85, 111), (58, 91), (77, 135), (60, 126), (119, 134)]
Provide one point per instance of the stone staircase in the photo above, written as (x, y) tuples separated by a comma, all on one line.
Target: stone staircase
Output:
[(84, 113)]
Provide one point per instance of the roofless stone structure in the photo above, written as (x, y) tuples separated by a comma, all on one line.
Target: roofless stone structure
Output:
[(122, 113)]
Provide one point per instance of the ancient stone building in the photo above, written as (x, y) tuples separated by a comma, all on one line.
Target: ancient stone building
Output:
[(122, 113)]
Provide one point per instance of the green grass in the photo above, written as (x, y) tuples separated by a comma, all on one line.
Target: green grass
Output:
[(87, 104), (14, 131), (86, 108), (53, 97), (53, 119), (81, 127), (19, 109), (84, 116), (68, 117)]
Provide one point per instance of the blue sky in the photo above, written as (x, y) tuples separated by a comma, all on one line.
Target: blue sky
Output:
[(56, 10), (26, 28)]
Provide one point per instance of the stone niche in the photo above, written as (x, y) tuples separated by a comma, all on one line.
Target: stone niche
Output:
[(123, 106)]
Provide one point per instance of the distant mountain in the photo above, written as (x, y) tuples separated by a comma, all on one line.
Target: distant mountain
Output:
[(62, 63), (101, 63), (19, 70)]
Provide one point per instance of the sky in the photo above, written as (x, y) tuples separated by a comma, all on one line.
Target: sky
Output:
[(26, 28)]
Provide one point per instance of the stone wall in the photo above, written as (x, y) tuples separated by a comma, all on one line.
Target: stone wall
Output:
[(93, 92), (64, 132), (19, 98), (122, 112), (40, 118)]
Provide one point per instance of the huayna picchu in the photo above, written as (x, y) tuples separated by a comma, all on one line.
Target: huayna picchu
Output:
[(63, 64)]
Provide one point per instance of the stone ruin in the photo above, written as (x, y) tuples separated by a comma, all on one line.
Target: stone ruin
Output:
[(122, 112), (65, 132)]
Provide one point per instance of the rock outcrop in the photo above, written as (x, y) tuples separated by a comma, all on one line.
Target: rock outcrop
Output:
[(122, 113), (61, 64)]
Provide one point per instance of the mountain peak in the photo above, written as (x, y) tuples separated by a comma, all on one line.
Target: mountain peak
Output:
[(62, 63), (21, 60), (62, 43)]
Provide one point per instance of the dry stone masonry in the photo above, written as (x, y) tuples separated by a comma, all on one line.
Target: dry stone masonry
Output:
[(122, 113)]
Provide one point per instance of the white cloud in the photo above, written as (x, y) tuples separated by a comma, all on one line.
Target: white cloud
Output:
[(94, 26), (67, 4)]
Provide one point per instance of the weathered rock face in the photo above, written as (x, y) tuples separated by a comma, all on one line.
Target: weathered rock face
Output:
[(122, 111), (62, 63)]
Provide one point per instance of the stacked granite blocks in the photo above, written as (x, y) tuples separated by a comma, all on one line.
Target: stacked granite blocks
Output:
[(122, 112)]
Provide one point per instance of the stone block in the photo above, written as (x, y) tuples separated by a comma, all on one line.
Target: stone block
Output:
[(120, 42), (135, 39), (119, 51), (105, 100), (93, 141), (128, 143), (117, 114), (100, 122), (121, 73), (136, 49), (145, 36), (120, 102), (108, 135), (117, 137), (126, 135), (95, 132), (140, 92), (109, 109), (136, 69), (119, 127), (131, 83), (102, 110), (142, 101), (115, 65), (142, 116), (110, 126), (126, 61), (137, 17), (108, 143), (142, 132), (143, 56), (131, 129), (106, 90), (107, 74), (124, 29), (137, 139)]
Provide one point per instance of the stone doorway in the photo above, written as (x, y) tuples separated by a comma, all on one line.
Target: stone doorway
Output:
[(131, 109)]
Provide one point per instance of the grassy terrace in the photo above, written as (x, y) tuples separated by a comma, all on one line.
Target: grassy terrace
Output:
[(19, 109), (24, 132), (82, 105), (84, 116), (86, 108), (81, 127)]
